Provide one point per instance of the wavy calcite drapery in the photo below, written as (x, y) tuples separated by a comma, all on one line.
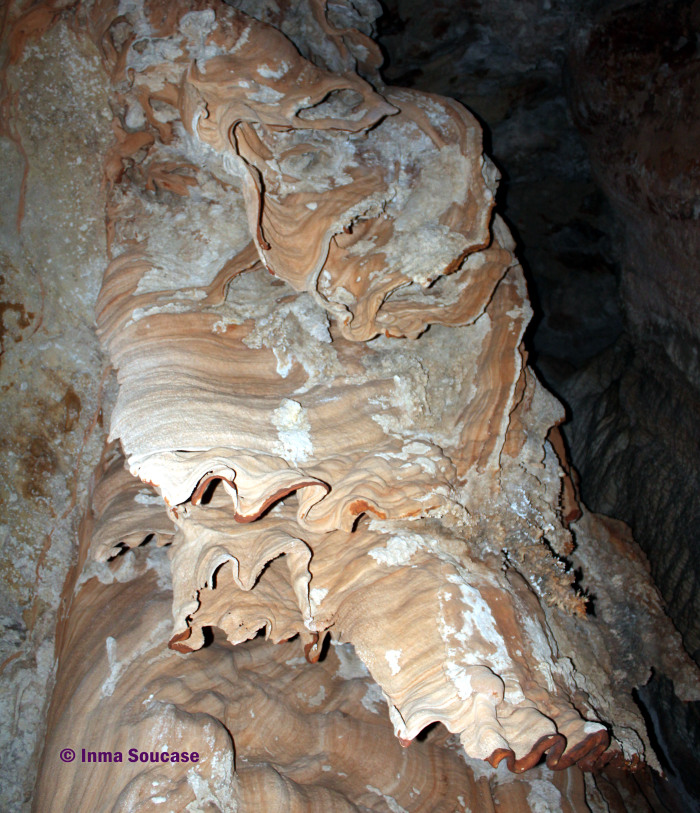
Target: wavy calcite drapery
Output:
[(316, 320), (271, 731)]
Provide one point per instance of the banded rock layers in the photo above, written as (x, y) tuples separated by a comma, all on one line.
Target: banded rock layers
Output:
[(324, 409)]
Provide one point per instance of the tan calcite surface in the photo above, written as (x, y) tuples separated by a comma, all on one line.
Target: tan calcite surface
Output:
[(324, 410), (302, 737), (272, 730)]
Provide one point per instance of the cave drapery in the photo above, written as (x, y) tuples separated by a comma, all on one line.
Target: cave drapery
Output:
[(324, 422)]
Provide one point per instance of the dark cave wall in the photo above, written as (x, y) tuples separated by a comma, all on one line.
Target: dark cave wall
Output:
[(594, 114), (506, 61), (636, 99)]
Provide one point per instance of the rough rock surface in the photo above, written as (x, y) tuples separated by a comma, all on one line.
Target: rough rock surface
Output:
[(644, 397), (54, 131), (639, 110)]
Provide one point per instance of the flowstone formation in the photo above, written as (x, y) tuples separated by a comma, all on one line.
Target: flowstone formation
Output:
[(325, 415)]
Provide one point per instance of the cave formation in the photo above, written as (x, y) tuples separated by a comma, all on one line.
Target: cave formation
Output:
[(328, 533)]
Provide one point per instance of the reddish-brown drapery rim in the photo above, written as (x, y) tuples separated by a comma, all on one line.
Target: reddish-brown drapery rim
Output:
[(312, 651), (243, 518), (586, 754), (175, 642), (278, 495)]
